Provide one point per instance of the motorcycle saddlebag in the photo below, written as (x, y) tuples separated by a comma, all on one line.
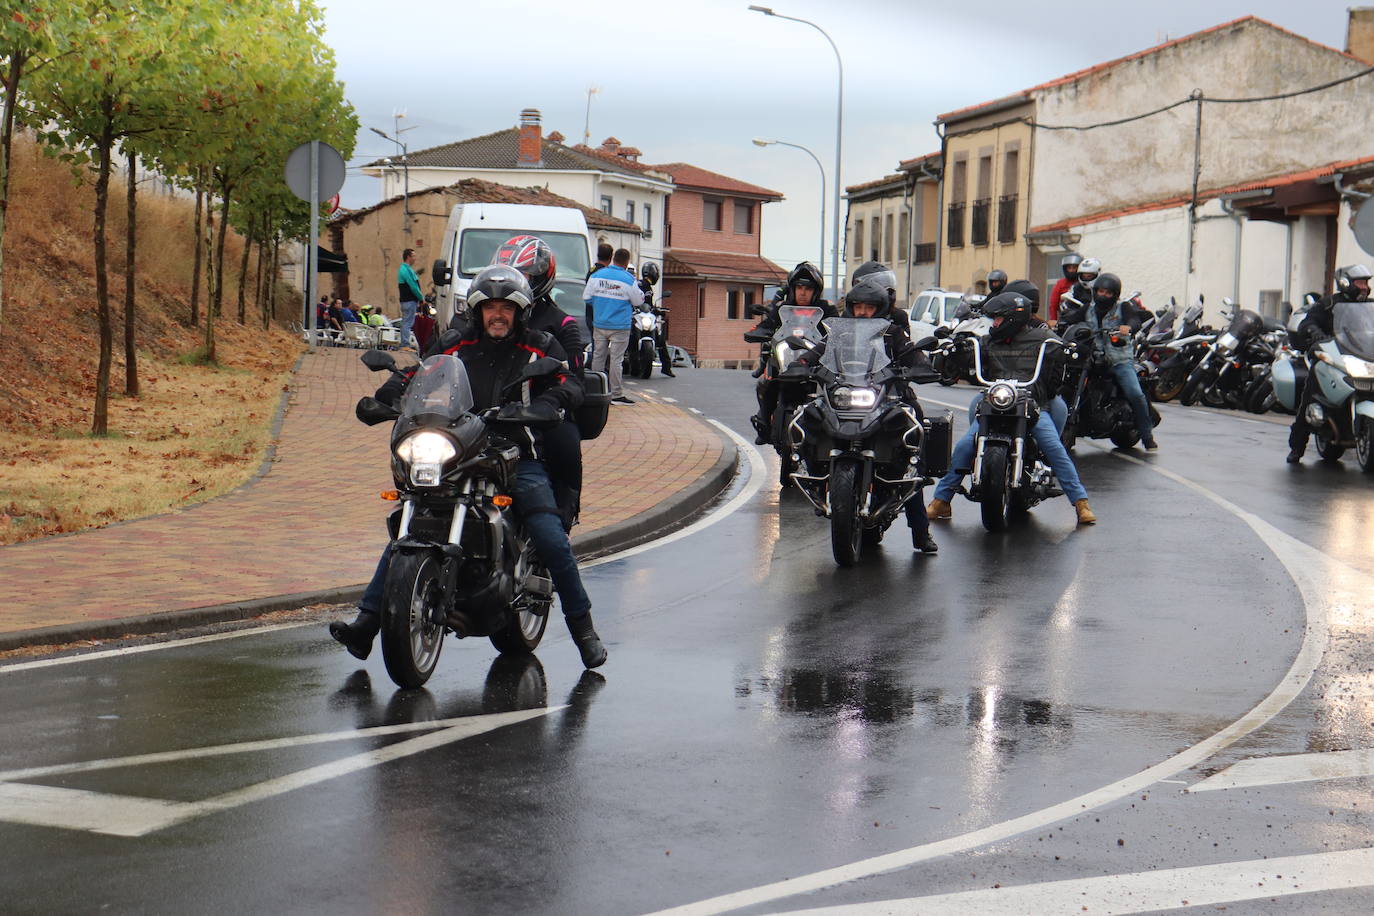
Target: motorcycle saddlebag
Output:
[(939, 445), (596, 404)]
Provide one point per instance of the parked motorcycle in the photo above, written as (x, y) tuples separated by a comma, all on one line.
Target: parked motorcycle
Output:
[(1342, 413), (799, 329), (1236, 362), (460, 561), (865, 451), (1172, 347)]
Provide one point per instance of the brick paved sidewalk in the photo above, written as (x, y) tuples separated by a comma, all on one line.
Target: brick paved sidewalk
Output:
[(314, 522)]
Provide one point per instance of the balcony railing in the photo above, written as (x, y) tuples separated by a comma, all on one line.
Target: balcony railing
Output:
[(1006, 219), (925, 253), (954, 232), (978, 232)]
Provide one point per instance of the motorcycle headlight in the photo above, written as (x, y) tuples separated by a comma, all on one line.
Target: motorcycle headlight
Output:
[(1358, 367), (853, 398), (1002, 396), (425, 454)]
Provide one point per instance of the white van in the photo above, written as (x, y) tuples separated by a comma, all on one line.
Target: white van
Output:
[(476, 231)]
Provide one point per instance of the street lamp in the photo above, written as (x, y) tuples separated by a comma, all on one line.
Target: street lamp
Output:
[(405, 167), (762, 143), (839, 132)]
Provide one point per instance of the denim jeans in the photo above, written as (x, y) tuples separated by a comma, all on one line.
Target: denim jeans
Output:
[(407, 321), (1125, 376), (534, 504), (1046, 437)]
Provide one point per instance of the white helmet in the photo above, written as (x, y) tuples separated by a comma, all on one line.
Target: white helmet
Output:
[(1090, 266)]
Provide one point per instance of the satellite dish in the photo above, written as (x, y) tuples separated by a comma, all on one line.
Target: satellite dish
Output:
[(1364, 225)]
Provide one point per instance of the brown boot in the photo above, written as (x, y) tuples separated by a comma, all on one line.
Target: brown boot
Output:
[(938, 508), (1085, 513)]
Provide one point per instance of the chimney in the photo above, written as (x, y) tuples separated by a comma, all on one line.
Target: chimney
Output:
[(1359, 33), (610, 145), (556, 137), (530, 153)]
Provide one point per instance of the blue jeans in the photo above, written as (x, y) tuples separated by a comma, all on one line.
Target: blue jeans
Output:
[(1046, 437), (1125, 376), (407, 321), (535, 505)]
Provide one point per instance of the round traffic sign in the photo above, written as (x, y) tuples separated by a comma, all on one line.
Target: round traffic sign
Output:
[(331, 172)]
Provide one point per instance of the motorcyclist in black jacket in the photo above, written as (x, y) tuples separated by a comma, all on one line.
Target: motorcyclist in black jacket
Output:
[(804, 287), (997, 281), (1352, 285), (494, 349), (649, 275)]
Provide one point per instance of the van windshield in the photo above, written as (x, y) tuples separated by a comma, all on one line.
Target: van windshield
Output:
[(478, 246)]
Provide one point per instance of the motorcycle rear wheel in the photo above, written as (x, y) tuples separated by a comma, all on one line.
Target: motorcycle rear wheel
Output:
[(411, 640), (1364, 445), (1125, 437), (1169, 386), (1260, 398), (1329, 450), (528, 617), (846, 532), (995, 500)]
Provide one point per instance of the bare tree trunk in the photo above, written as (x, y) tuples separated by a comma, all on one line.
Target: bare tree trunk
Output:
[(220, 237), (195, 271), (259, 287), (16, 69), (131, 239), (272, 277), (100, 423), (243, 277), (210, 283)]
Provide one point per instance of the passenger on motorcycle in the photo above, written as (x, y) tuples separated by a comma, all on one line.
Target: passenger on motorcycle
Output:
[(1083, 286), (1113, 322), (1352, 285), (997, 282), (494, 350), (804, 287), (871, 296), (1011, 352), (1068, 265)]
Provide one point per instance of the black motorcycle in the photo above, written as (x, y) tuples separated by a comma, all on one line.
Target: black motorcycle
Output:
[(865, 451), (1098, 408), (799, 329), (1236, 364), (460, 561), (1171, 347)]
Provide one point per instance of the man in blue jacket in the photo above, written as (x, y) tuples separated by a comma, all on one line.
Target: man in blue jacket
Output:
[(613, 294)]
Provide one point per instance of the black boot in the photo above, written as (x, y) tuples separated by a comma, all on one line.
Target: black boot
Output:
[(588, 643), (922, 541), (761, 431), (357, 636)]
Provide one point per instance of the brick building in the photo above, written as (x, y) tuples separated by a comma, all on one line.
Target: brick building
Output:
[(712, 264)]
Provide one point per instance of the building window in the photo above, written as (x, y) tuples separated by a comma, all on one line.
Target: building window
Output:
[(648, 221), (887, 240), (606, 204), (978, 230), (738, 302), (1006, 219), (732, 303), (701, 300), (744, 218), (858, 239), (905, 239), (710, 210), (954, 232), (925, 252), (875, 238)]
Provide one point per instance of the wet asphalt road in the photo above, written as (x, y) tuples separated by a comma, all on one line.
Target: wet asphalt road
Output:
[(765, 717)]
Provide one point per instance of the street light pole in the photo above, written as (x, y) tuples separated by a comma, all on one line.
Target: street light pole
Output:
[(405, 165), (839, 134), (757, 142)]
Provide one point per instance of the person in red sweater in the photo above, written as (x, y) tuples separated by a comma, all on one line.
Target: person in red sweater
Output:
[(1069, 265)]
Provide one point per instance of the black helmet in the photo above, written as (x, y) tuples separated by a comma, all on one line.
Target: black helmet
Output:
[(1028, 289), (1111, 283), (500, 281), (1014, 308), (650, 273), (805, 274), (871, 290), (997, 281), (531, 256), (879, 273), (1346, 282)]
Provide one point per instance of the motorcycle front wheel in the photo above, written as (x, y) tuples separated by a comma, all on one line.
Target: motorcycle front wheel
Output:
[(1364, 447), (995, 500), (846, 533), (1168, 385), (1125, 436), (646, 358), (1192, 389), (1260, 398), (1329, 450), (411, 637)]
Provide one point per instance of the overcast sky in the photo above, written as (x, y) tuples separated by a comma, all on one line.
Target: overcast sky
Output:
[(696, 80)]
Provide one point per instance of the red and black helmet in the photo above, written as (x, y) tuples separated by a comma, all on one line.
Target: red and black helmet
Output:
[(533, 257)]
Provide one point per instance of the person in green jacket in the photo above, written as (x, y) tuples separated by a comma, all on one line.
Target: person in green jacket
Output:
[(408, 285)]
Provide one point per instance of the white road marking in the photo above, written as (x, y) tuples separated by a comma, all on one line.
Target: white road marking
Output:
[(1329, 588), (1141, 892), (121, 815), (1271, 771), (150, 647), (668, 400), (695, 411)]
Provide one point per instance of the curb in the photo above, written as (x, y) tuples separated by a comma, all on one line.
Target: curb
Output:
[(671, 513)]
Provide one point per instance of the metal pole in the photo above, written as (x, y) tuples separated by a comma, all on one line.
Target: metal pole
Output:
[(313, 252), (821, 263)]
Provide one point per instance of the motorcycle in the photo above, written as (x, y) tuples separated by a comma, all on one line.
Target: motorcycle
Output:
[(951, 360), (648, 327), (865, 451), (1097, 406), (1236, 363), (1009, 477), (1172, 347), (460, 561), (799, 329), (1342, 413)]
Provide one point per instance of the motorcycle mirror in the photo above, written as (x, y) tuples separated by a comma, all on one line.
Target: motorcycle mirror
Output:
[(440, 273), (928, 343), (942, 332), (1133, 295), (666, 294), (372, 411), (1070, 300), (379, 360)]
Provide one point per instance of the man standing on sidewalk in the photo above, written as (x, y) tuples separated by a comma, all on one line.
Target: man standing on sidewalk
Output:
[(612, 295), (408, 285)]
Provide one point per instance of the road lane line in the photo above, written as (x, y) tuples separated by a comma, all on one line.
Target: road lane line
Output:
[(152, 647), (77, 809), (1326, 586), (1141, 892), (1272, 771)]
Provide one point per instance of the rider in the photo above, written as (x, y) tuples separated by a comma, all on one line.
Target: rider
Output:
[(1069, 266), (1113, 322), (1083, 287), (1012, 349), (871, 295), (1352, 285), (803, 288), (997, 281), (494, 350), (648, 276)]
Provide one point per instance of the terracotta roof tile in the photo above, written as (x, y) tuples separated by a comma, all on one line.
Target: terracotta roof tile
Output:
[(475, 190), (714, 265), (499, 151), (876, 183), (907, 165), (691, 176)]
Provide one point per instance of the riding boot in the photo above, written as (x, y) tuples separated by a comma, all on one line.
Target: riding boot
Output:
[(762, 429), (357, 636), (588, 643)]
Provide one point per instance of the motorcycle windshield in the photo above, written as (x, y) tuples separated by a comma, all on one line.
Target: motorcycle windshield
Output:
[(1353, 323), (1163, 328), (798, 321), (854, 348), (1246, 324), (439, 388)]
